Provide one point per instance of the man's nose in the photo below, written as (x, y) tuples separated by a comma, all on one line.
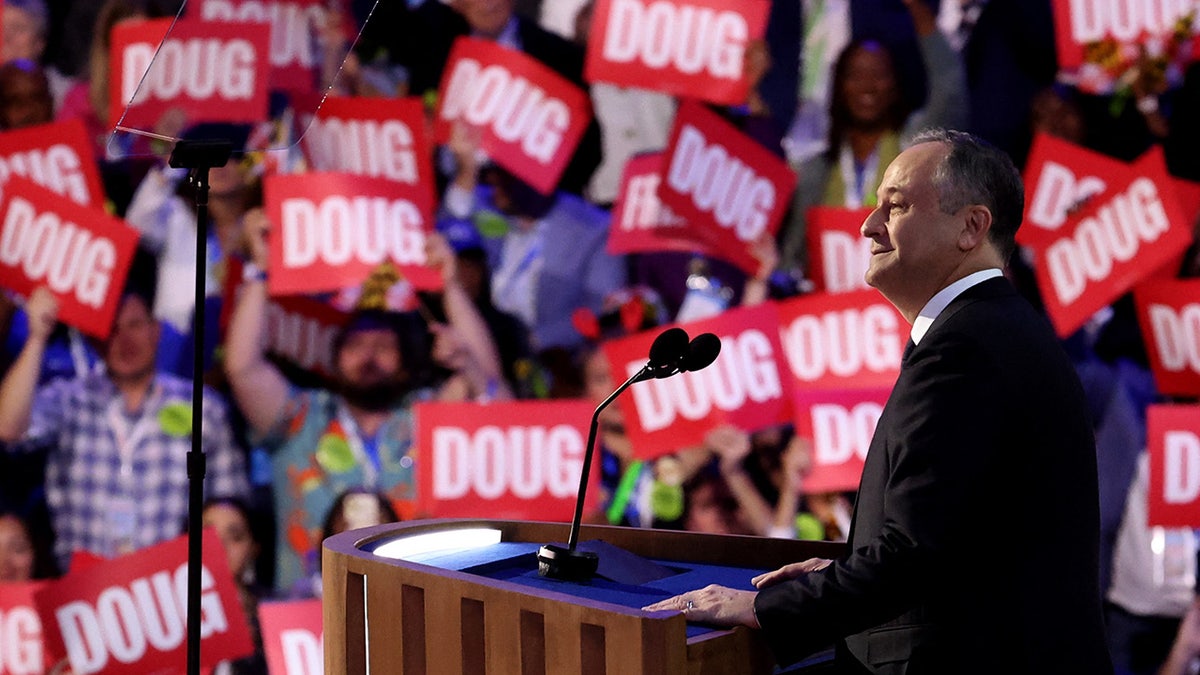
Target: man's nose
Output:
[(872, 225)]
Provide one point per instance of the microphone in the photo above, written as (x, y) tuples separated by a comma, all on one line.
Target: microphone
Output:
[(668, 349), (670, 353), (701, 352)]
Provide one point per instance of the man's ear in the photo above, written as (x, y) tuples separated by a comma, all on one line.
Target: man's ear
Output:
[(977, 222)]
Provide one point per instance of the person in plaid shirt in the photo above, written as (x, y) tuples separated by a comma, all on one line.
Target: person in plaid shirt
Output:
[(116, 474)]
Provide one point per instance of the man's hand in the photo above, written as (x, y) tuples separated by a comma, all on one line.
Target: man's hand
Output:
[(42, 310), (789, 572), (713, 604)]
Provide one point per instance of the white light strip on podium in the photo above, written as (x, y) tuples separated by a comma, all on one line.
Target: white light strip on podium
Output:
[(405, 548)]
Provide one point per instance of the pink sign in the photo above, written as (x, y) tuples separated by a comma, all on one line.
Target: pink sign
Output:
[(80, 253), (640, 222), (57, 156), (1119, 239), (850, 340), (531, 118), (213, 72), (689, 48), (127, 615), (729, 189), (838, 253), (520, 459), (294, 31), (745, 386), (1173, 440), (293, 637), (1169, 314), (335, 228), (840, 424)]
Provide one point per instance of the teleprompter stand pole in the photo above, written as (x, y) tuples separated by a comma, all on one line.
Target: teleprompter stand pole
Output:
[(199, 157)]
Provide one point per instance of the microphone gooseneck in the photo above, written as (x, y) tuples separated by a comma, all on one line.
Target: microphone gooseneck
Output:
[(670, 353)]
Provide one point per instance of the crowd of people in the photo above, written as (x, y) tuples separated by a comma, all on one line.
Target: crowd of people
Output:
[(94, 448)]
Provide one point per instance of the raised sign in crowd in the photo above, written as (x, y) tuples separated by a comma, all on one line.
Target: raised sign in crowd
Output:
[(441, 242)]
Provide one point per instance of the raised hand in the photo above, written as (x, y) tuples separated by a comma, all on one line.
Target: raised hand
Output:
[(42, 310)]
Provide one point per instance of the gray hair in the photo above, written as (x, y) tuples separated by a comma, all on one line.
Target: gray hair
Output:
[(976, 172)]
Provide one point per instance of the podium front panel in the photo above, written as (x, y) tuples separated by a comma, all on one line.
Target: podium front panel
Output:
[(480, 607)]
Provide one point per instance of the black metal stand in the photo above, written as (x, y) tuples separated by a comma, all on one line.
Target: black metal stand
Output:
[(567, 563), (199, 156)]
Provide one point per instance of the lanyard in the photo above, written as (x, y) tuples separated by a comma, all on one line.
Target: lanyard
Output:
[(370, 464), (855, 185), (126, 435), (506, 279), (624, 491)]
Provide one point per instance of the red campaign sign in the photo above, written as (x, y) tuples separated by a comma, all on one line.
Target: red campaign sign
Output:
[(640, 221), (1173, 440), (335, 228), (127, 615), (838, 253), (530, 118), (1102, 38), (380, 138), (214, 72), (689, 48), (22, 649), (80, 253), (302, 330), (744, 387), (1060, 177), (1189, 198), (1120, 238), (293, 637), (840, 424), (1169, 314), (850, 340), (518, 459), (728, 188), (294, 54), (57, 156)]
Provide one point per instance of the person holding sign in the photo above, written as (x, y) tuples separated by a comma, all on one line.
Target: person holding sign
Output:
[(546, 253), (870, 124), (986, 406), (116, 476), (359, 434)]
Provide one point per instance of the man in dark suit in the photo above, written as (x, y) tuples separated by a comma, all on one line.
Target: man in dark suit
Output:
[(974, 543)]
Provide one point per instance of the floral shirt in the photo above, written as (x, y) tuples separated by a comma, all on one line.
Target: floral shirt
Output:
[(317, 454)]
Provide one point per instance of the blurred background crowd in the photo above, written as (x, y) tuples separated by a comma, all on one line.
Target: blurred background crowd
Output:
[(94, 462)]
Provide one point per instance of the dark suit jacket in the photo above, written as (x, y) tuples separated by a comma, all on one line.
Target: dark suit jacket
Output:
[(974, 544)]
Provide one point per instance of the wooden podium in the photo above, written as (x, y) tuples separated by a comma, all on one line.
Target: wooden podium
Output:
[(411, 618)]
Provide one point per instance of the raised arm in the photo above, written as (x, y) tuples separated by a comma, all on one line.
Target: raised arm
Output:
[(258, 387), (482, 367), (17, 387)]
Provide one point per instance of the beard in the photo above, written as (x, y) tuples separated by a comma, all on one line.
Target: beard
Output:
[(374, 392)]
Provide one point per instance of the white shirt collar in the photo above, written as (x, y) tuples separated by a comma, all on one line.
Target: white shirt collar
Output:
[(944, 297)]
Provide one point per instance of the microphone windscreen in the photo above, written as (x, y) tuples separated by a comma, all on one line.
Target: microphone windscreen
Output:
[(702, 351), (670, 346)]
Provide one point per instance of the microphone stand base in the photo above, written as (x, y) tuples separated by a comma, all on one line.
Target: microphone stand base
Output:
[(565, 564)]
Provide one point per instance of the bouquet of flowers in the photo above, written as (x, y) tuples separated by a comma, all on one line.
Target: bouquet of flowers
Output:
[(1133, 70)]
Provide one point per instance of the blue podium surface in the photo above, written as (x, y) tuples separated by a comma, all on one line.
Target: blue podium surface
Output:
[(516, 562)]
